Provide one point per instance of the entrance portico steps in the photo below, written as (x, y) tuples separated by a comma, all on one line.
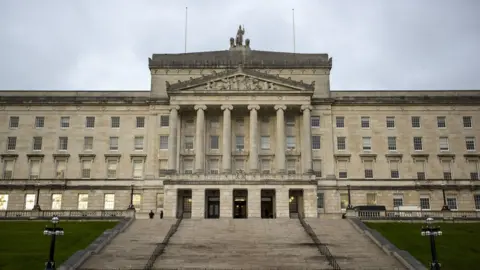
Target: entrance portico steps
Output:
[(241, 244), (132, 248), (351, 249)]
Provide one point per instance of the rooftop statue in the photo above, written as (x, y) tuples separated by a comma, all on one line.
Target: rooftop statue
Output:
[(240, 33)]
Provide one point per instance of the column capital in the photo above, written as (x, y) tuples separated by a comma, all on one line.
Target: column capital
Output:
[(253, 107), (200, 107), (174, 107), (306, 107), (226, 107), (280, 107)]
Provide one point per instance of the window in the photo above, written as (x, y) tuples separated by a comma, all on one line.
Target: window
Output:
[(291, 166), (473, 168), (37, 143), (137, 169), (390, 121), (138, 141), (214, 145), (88, 143), (341, 143), (39, 121), (239, 165), (90, 122), (415, 121), (265, 165), (11, 143), (340, 121), (162, 167), (214, 122), (420, 169), (476, 199), (367, 143), (470, 143), (397, 200), (394, 172), (467, 122), (14, 121), (3, 202), (140, 121), (188, 143), (63, 143), (342, 169), (265, 142), (56, 201), (368, 168), (137, 201), (290, 142), (343, 201), (365, 121), (317, 168), (239, 143), (424, 202), (65, 121), (86, 169), (109, 202), (290, 121), (441, 121), (82, 201), (189, 124), (417, 143), (113, 144), (452, 203), (115, 121), (447, 169), (392, 143), (213, 165), (164, 120), (112, 168), (320, 200), (29, 201), (315, 142), (34, 169), (164, 142), (61, 166), (371, 199), (315, 122), (443, 143), (188, 166), (8, 169)]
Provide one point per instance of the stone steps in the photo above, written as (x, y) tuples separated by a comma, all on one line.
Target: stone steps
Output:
[(351, 249)]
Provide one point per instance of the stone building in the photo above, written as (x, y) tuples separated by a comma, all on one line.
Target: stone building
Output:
[(239, 133)]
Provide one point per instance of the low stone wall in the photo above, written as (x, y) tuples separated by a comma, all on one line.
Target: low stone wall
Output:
[(402, 256), (81, 256)]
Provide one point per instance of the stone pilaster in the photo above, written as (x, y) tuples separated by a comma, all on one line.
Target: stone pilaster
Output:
[(280, 142), (310, 202), (170, 203), (307, 139), (150, 144), (253, 203), (227, 139), (253, 155), (172, 139), (198, 203), (226, 203), (200, 139), (281, 201)]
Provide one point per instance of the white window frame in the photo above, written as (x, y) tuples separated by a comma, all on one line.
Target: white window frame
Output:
[(291, 143), (112, 168), (214, 142), (390, 122), (60, 174), (62, 143), (11, 143), (11, 173), (316, 142), (342, 140), (138, 142), (452, 201), (188, 143), (470, 140), (113, 143), (115, 122), (365, 122), (32, 175), (140, 122), (90, 122), (240, 143), (414, 122), (3, 202), (188, 166), (315, 121), (56, 201), (85, 163), (367, 143), (443, 144), (266, 166), (214, 166), (109, 201), (64, 122), (469, 123), (82, 201), (340, 121), (163, 142), (392, 143), (425, 197), (142, 171), (164, 121), (441, 122), (418, 141), (14, 122), (39, 121), (88, 143), (37, 143), (265, 142), (30, 200)]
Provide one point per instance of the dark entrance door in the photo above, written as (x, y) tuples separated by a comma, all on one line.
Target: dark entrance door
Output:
[(240, 207), (267, 207), (213, 207)]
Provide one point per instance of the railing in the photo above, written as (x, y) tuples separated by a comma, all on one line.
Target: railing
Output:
[(416, 215), (65, 214), (322, 248), (160, 248)]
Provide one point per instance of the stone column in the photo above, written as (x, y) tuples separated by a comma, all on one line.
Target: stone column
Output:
[(253, 203), (170, 203), (280, 142), (226, 203), (281, 202), (172, 139), (150, 145), (310, 202), (253, 156), (198, 203), (227, 139), (200, 139), (307, 139)]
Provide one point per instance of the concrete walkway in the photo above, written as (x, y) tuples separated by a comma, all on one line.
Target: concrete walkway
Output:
[(241, 244), (132, 248), (351, 249)]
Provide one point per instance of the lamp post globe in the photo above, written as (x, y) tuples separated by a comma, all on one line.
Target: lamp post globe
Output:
[(432, 232), (53, 231)]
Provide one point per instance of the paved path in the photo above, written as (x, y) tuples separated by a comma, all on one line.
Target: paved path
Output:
[(132, 248), (351, 249), (241, 244)]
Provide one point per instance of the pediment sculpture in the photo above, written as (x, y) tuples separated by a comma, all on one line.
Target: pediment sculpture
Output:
[(241, 83)]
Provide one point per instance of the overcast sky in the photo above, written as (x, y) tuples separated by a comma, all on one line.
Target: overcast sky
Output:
[(377, 45)]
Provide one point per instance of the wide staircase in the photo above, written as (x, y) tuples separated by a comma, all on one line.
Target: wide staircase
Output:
[(241, 244), (351, 249), (132, 248)]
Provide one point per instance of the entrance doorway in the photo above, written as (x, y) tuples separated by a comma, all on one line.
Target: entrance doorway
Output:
[(212, 199), (184, 203), (267, 204), (240, 198), (295, 202)]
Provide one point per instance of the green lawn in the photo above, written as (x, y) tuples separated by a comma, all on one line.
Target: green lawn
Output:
[(23, 245), (458, 247)]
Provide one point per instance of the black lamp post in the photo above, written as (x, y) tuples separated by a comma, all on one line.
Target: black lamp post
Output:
[(36, 207), (432, 232), (349, 206), (52, 231), (131, 206), (445, 205)]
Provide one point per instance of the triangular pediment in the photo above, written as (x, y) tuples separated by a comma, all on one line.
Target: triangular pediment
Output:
[(240, 80)]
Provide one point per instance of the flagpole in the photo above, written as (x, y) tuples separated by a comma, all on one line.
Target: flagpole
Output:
[(293, 28), (186, 24)]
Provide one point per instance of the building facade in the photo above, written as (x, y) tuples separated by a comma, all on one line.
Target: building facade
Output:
[(239, 133)]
